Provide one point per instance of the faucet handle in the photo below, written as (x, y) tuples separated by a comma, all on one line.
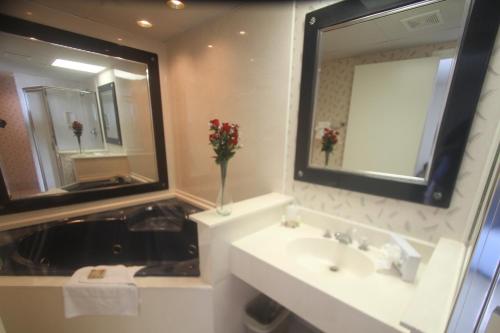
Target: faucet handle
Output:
[(327, 234)]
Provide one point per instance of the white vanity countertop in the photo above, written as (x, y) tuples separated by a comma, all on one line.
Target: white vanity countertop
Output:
[(432, 304), (383, 297), (211, 219), (96, 155)]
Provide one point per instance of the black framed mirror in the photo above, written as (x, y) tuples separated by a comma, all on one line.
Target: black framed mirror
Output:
[(62, 88), (110, 114), (388, 94)]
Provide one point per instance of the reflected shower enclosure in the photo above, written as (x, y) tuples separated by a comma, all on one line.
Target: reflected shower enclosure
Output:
[(52, 111)]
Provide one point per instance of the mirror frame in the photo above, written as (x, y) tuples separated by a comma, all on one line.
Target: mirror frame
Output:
[(470, 69), (57, 36), (101, 89)]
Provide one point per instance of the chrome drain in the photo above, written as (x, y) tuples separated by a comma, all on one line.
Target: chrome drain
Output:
[(334, 268)]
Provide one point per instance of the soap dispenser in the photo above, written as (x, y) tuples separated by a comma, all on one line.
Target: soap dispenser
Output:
[(291, 219)]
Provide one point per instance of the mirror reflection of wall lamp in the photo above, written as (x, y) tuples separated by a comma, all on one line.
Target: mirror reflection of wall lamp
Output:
[(77, 66)]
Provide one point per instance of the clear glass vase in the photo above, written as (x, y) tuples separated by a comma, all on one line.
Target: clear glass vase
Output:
[(79, 143), (224, 204)]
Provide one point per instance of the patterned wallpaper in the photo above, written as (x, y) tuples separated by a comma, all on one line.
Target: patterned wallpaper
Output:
[(16, 159), (334, 91), (424, 222)]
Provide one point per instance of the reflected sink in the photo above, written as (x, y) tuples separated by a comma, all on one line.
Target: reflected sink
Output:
[(93, 153), (329, 256)]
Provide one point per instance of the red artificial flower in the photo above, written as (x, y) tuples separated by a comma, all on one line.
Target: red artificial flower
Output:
[(224, 140), (215, 122), (226, 127), (329, 139)]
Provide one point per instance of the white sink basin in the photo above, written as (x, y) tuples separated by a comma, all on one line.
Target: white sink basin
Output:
[(293, 267), (330, 257)]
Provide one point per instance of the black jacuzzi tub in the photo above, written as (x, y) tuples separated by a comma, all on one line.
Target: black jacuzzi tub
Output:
[(158, 236)]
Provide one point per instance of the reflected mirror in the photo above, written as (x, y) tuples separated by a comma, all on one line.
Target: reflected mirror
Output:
[(110, 114), (388, 94), (75, 121)]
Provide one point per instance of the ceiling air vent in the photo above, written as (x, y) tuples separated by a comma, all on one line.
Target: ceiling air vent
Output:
[(422, 21)]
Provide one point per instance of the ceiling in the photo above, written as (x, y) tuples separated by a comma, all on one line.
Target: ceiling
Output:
[(123, 14), (389, 32), (20, 54)]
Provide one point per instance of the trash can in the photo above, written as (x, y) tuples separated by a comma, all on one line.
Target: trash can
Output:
[(263, 315)]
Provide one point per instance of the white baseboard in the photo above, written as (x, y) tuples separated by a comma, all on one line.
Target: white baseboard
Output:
[(142, 179), (194, 200)]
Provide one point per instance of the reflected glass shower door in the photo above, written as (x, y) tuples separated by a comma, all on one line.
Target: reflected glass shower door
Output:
[(66, 106), (477, 309), (43, 137), (52, 111)]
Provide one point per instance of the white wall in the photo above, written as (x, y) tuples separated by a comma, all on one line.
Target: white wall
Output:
[(424, 222), (137, 127), (242, 79)]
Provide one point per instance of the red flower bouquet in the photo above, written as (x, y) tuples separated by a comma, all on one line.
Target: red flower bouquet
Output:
[(224, 139), (328, 140), (77, 128)]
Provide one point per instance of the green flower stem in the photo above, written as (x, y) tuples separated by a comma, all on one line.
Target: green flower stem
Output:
[(223, 173), (79, 143)]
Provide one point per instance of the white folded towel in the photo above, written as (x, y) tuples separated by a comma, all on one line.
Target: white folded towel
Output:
[(115, 294)]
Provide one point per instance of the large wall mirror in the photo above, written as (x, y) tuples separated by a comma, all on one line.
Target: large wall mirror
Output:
[(388, 93), (83, 118)]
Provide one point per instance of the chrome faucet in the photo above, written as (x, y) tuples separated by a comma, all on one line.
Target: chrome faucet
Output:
[(363, 244), (343, 237)]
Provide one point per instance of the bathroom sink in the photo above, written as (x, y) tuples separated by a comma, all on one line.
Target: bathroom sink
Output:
[(93, 153), (329, 256)]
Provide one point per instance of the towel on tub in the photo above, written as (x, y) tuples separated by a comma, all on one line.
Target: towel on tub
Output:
[(92, 292)]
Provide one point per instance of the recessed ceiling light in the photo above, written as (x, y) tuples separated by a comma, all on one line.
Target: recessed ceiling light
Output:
[(119, 39), (243, 32), (210, 46), (29, 13), (144, 24), (77, 66), (175, 4)]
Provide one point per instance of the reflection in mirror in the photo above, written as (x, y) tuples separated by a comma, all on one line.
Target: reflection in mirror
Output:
[(382, 86), (55, 121), (110, 115)]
